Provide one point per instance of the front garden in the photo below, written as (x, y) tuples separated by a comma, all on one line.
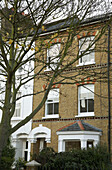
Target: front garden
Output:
[(91, 159)]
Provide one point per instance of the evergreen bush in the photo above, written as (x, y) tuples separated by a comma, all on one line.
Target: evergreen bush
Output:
[(20, 163), (7, 157), (91, 159)]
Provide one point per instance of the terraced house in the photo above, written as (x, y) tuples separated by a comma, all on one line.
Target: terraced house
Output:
[(65, 65), (76, 111)]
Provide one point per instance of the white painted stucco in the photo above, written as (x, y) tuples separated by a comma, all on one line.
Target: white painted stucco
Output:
[(82, 136)]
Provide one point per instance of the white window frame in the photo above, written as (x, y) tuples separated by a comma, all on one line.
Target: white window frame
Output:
[(89, 56), (54, 59), (17, 113), (54, 97), (88, 94), (30, 64)]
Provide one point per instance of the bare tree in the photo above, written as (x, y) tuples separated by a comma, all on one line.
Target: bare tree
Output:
[(24, 28)]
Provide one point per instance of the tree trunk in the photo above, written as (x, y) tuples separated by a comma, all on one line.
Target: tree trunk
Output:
[(5, 126), (4, 136)]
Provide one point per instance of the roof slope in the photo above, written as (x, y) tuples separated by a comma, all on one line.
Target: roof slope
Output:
[(79, 125), (67, 22)]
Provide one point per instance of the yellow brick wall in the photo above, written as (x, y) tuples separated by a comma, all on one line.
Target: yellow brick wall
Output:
[(68, 98), (55, 125), (68, 101)]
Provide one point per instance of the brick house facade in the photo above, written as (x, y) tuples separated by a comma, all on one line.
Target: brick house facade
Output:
[(75, 116)]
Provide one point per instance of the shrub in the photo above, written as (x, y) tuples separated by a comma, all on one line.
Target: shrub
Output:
[(91, 159), (46, 155), (7, 157), (20, 163)]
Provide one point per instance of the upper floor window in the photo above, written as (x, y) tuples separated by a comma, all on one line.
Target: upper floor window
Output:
[(89, 56), (17, 112), (86, 100), (52, 104), (53, 56)]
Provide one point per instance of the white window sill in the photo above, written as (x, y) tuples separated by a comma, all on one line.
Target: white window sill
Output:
[(16, 118), (51, 116), (85, 114), (84, 64)]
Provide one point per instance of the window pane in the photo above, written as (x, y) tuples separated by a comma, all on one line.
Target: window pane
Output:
[(26, 144), (17, 110), (92, 57), (90, 105), (89, 56), (86, 98), (85, 90), (52, 103), (52, 56), (83, 105), (85, 42), (49, 108), (89, 144), (70, 145), (25, 155), (56, 108), (54, 93), (85, 58)]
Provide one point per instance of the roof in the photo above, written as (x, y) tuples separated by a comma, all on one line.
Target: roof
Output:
[(79, 125), (60, 24), (65, 23)]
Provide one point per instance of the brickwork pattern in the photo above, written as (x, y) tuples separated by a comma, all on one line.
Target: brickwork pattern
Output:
[(68, 98)]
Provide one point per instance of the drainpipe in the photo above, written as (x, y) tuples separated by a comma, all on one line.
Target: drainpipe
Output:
[(109, 111)]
